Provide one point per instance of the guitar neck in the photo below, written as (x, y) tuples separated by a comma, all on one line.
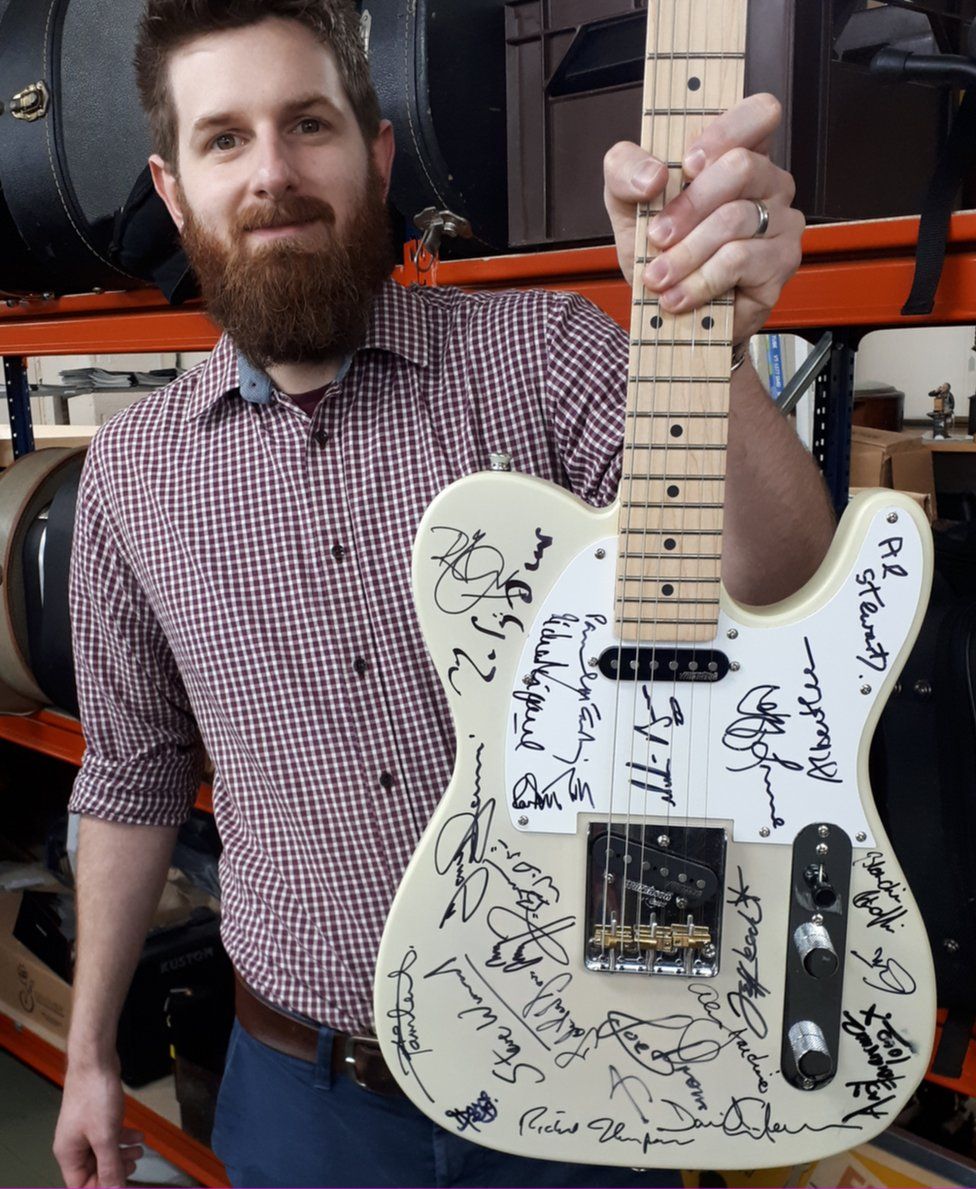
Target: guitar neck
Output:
[(673, 484)]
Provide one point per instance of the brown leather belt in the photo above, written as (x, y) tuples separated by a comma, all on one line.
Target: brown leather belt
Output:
[(356, 1057)]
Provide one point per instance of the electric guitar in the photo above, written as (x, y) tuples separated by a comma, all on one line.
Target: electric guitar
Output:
[(655, 920)]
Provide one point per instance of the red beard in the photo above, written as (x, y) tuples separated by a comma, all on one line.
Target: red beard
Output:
[(283, 301)]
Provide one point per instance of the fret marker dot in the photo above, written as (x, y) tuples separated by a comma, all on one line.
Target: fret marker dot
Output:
[(677, 431), (667, 590), (694, 84), (708, 323), (674, 491), (670, 544), (657, 321)]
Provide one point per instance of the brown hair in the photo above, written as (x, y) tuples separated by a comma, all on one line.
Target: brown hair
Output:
[(168, 24)]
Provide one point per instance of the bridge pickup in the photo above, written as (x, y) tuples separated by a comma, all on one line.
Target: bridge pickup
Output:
[(653, 663), (654, 903)]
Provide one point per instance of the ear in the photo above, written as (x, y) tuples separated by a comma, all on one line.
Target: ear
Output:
[(167, 187), (383, 151)]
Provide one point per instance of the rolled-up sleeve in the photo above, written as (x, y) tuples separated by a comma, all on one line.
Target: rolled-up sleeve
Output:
[(586, 396), (143, 756)]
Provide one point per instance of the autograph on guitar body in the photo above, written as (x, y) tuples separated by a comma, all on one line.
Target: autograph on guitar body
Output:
[(655, 920)]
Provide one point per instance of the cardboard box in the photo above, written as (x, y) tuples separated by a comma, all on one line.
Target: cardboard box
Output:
[(32, 991), (922, 498), (880, 458)]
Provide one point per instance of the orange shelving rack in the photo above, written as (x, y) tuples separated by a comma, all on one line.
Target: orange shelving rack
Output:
[(853, 276)]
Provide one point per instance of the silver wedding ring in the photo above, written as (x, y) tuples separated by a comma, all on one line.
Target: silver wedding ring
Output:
[(762, 210)]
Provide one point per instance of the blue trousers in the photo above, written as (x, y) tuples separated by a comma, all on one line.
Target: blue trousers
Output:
[(282, 1121)]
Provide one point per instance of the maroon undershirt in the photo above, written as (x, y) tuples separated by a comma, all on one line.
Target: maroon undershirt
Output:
[(308, 401)]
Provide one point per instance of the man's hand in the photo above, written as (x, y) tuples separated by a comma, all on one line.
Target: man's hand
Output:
[(704, 238), (90, 1143)]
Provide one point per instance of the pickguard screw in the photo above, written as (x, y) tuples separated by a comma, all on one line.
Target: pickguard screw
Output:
[(594, 662), (807, 1083), (865, 689), (951, 945), (764, 831), (860, 836), (823, 831), (735, 666), (663, 840), (523, 821), (680, 902), (665, 872), (817, 919), (892, 517), (527, 680), (600, 554), (700, 884), (822, 848), (682, 878), (732, 634)]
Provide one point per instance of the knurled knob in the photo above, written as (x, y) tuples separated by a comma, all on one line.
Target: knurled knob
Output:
[(810, 1051), (816, 950)]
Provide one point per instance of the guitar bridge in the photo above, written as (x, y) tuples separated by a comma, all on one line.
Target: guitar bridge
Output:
[(654, 903)]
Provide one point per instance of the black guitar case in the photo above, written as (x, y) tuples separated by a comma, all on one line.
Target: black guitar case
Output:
[(47, 557), (439, 71), (923, 772), (76, 208)]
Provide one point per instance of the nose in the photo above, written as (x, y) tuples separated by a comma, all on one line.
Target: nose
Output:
[(274, 174)]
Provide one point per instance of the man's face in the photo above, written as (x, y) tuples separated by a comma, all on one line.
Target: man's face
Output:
[(280, 201)]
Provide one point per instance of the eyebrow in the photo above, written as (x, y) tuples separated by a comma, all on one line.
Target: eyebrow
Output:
[(224, 119)]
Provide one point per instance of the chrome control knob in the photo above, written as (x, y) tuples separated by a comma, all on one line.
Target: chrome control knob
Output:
[(816, 950), (810, 1050)]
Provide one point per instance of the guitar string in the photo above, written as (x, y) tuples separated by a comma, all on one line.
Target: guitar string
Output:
[(625, 527), (629, 460), (656, 406)]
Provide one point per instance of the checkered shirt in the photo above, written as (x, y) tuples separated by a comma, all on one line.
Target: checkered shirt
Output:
[(241, 576)]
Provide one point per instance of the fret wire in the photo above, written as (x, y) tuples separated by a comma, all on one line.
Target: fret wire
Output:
[(668, 446), (683, 532), (684, 111), (675, 554), (669, 602), (675, 478), (701, 343), (670, 504), (690, 55), (679, 380), (679, 413)]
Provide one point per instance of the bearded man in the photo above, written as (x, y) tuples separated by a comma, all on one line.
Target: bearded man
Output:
[(242, 556)]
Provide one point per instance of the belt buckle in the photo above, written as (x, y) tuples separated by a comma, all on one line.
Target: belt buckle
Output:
[(349, 1059)]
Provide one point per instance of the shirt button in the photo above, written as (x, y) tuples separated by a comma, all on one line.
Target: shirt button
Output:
[(386, 780), (322, 437), (338, 552), (360, 665)]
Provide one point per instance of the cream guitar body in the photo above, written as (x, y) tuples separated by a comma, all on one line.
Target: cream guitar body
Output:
[(655, 920), (776, 1040)]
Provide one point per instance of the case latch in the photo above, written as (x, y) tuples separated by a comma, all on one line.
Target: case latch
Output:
[(31, 103)]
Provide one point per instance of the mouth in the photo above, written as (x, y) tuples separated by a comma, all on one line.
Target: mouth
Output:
[(283, 230)]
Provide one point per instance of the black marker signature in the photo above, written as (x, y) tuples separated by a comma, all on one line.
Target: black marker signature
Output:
[(405, 1038)]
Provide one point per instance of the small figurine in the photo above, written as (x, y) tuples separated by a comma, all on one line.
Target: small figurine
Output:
[(943, 411)]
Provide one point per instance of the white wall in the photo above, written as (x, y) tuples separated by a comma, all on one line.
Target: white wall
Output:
[(918, 359)]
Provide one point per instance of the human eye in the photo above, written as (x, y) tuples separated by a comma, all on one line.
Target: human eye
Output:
[(224, 142), (309, 125)]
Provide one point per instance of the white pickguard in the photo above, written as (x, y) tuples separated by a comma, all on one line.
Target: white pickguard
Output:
[(484, 1007), (753, 748)]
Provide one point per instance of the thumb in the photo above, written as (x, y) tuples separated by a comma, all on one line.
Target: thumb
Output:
[(631, 176), (110, 1170)]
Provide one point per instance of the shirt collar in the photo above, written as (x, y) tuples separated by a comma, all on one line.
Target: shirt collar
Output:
[(398, 324)]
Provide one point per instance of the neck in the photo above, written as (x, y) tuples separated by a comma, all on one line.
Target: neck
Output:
[(303, 377)]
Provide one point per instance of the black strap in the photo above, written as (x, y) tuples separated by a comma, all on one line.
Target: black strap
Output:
[(957, 157)]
